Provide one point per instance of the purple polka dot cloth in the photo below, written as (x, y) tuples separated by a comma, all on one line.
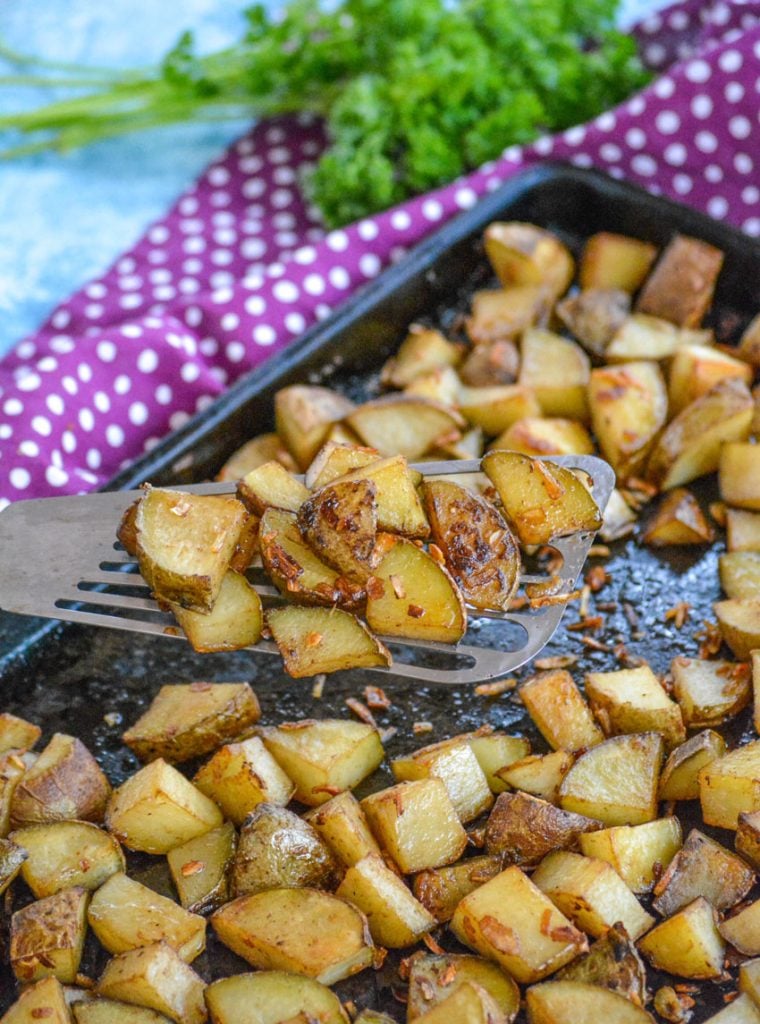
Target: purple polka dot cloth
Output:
[(241, 265)]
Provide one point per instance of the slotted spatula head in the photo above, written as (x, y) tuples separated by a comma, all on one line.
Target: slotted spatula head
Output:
[(61, 560)]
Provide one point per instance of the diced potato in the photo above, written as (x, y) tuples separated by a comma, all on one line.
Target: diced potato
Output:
[(12, 858), (124, 914), (154, 976), (502, 314), (689, 447), (730, 785), (557, 371), (619, 518), (740, 573), (234, 622), (494, 409), (13, 765), (629, 407), (748, 837), (158, 809), (541, 499), (454, 763), (421, 351), (342, 825), (271, 486), (432, 979), (497, 362), (615, 261), (749, 980), (741, 1011), (702, 867), (396, 919), (742, 530), (523, 253), (242, 775), (316, 640), (687, 944), (334, 460), (739, 624), (108, 1011), (616, 781), (300, 930), (539, 774), (742, 930), (65, 854), (324, 757), (304, 415), (339, 522), (64, 782), (509, 920), (442, 889), (680, 288), (569, 1002), (47, 937), (612, 962), (254, 453), (542, 435), (441, 385), (398, 507), (634, 701), (45, 1000), (594, 316), (199, 869), (559, 711), (648, 337), (16, 733), (739, 475), (709, 692), (402, 425), (637, 852), (698, 368), (185, 543), (277, 996), (678, 520), (276, 850), (494, 751), (247, 548), (417, 824), (413, 595), (523, 829), (189, 720), (470, 1002)]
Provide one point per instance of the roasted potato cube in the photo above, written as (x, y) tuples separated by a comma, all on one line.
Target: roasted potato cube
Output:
[(278, 996), (277, 850), (432, 979), (185, 543), (526, 254), (730, 785), (543, 435), (199, 869), (342, 825), (680, 776), (742, 530), (255, 453), (154, 976), (494, 751), (304, 415), (616, 781), (541, 500), (241, 775), (494, 363), (440, 890), (108, 1011), (340, 523), (689, 447), (748, 837), (559, 711), (678, 520), (66, 854), (619, 518), (477, 545), (741, 1011), (522, 829), (648, 337), (398, 507), (502, 314), (637, 852), (47, 937), (158, 809), (420, 352), (305, 931), (702, 867), (740, 573), (749, 980), (469, 1002), (188, 720), (680, 288), (509, 920), (315, 640), (743, 929), (334, 460), (17, 733), (271, 486), (494, 409), (441, 385), (739, 624), (538, 774), (569, 1002), (710, 692), (413, 595), (629, 407), (396, 919), (324, 757), (454, 763), (234, 622), (594, 316), (404, 425), (12, 858), (64, 782), (246, 550), (417, 824), (634, 701), (557, 371), (612, 962), (739, 475), (615, 261), (46, 1000), (688, 943), (696, 369)]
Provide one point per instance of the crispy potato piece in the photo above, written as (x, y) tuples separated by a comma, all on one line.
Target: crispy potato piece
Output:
[(65, 854), (680, 288), (502, 314), (47, 937), (612, 962), (247, 547), (742, 530), (334, 460), (634, 701), (688, 943), (64, 782), (619, 518), (710, 692), (749, 980), (441, 385), (559, 711), (748, 837), (637, 852), (594, 316), (301, 930), (494, 409), (126, 533), (417, 824), (509, 920), (315, 640), (185, 543), (304, 415), (702, 867), (413, 595), (470, 1002), (738, 475), (340, 523), (568, 1002), (234, 622), (489, 364), (689, 447), (678, 520), (542, 435), (324, 757), (422, 351), (188, 720), (741, 1011), (440, 890), (242, 775), (154, 976), (108, 1011), (496, 750), (523, 253), (478, 546), (16, 733), (696, 369), (158, 809), (12, 859), (629, 407), (648, 337), (396, 919), (432, 979), (538, 774), (278, 996), (271, 486), (730, 785), (402, 425), (13, 765), (615, 261), (679, 779), (742, 930), (616, 781), (45, 1000), (398, 508), (254, 453), (557, 371), (522, 829), (277, 850), (541, 500), (342, 825), (739, 624), (454, 763), (740, 573), (199, 869)]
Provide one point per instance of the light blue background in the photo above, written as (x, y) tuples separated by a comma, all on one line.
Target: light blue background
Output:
[(64, 218)]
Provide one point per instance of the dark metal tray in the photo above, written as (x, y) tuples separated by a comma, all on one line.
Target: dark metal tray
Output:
[(70, 678)]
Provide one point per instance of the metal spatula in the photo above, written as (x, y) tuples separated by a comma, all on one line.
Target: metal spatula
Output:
[(61, 560)]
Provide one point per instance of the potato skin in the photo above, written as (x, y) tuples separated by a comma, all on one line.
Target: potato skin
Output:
[(340, 523), (523, 828), (67, 782)]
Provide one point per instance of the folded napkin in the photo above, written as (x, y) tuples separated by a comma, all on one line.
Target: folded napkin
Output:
[(241, 266)]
